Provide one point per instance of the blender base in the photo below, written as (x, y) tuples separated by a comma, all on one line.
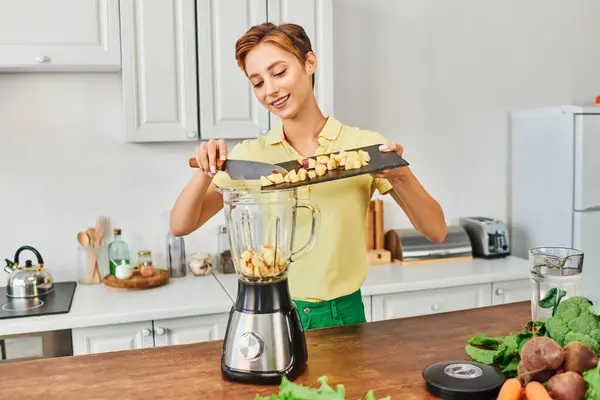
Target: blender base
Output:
[(264, 340)]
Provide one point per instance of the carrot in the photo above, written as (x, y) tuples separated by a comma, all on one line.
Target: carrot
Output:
[(511, 390), (536, 391)]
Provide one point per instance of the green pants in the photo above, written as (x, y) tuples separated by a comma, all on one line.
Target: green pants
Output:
[(345, 310)]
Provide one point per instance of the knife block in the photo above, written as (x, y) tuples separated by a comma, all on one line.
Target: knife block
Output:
[(374, 235)]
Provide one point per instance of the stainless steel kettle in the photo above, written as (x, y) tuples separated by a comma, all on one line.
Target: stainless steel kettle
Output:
[(30, 280)]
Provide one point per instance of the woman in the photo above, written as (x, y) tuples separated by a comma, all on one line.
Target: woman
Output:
[(325, 283)]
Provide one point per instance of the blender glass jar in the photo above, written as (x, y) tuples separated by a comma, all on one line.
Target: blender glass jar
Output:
[(261, 226), (553, 269)]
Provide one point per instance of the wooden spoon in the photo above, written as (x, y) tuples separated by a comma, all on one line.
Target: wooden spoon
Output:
[(83, 239), (91, 232)]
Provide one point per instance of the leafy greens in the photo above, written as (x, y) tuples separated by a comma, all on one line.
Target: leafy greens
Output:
[(292, 391)]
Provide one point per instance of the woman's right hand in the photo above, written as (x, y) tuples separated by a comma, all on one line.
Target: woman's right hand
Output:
[(208, 153)]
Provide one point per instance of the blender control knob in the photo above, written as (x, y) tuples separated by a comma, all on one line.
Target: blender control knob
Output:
[(250, 345)]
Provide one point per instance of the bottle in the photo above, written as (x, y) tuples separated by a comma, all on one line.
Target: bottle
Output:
[(118, 253), (176, 260)]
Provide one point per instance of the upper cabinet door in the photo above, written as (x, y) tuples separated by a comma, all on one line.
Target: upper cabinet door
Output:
[(159, 70), (316, 17), (587, 162), (59, 34), (228, 107)]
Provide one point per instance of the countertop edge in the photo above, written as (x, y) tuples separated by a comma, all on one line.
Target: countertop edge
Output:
[(44, 323), (402, 287)]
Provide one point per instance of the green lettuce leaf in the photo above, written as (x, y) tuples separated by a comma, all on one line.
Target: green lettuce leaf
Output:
[(292, 391)]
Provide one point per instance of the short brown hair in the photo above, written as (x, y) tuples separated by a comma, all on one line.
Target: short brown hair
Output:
[(290, 37)]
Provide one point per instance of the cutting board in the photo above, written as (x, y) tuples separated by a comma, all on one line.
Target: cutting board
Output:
[(380, 161), (138, 281), (374, 235)]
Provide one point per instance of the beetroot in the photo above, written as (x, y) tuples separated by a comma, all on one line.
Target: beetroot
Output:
[(541, 353), (566, 386)]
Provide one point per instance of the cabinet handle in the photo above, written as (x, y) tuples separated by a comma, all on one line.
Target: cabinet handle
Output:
[(499, 292), (160, 331), (146, 332), (191, 134), (435, 307), (42, 59), (264, 131)]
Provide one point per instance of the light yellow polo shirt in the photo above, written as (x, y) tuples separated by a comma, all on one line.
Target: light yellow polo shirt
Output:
[(337, 265)]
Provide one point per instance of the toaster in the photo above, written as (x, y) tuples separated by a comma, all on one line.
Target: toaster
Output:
[(489, 237)]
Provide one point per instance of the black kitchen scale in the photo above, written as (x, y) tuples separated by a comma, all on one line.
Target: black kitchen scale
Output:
[(56, 302)]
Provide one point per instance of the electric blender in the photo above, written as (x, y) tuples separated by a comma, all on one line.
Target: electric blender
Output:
[(264, 340)]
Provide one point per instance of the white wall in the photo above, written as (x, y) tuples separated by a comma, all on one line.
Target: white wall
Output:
[(64, 162), (439, 77)]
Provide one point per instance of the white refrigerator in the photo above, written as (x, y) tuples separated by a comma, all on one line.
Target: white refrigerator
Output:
[(554, 187)]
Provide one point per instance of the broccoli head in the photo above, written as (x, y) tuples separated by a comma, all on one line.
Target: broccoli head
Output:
[(574, 322)]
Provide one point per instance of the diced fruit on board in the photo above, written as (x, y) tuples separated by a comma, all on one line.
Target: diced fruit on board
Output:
[(268, 263), (312, 167)]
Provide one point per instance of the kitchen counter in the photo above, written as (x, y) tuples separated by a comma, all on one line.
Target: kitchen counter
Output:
[(95, 305), (395, 278), (387, 356)]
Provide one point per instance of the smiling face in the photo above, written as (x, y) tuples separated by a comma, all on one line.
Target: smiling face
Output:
[(281, 82)]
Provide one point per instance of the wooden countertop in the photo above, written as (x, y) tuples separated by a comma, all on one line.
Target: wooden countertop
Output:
[(387, 356)]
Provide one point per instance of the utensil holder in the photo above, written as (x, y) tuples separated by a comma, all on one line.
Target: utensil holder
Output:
[(88, 272)]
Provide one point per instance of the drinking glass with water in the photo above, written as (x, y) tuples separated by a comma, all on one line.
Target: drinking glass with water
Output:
[(557, 268)]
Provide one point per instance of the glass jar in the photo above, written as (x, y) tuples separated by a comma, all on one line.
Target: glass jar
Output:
[(555, 272), (225, 262), (261, 226), (144, 259)]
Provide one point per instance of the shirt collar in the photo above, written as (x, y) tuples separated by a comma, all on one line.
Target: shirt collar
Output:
[(330, 131)]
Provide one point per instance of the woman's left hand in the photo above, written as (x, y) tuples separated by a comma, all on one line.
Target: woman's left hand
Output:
[(396, 173)]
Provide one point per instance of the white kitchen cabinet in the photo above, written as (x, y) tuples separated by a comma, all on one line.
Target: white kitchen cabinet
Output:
[(190, 330), (228, 107), (159, 70), (146, 334), (51, 35), (415, 303), (102, 339), (367, 304), (510, 291), (316, 17)]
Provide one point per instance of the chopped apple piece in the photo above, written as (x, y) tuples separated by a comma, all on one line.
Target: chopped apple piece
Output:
[(351, 158), (331, 164), (300, 160), (258, 261), (287, 178), (246, 268), (264, 181), (293, 176), (247, 255), (364, 157), (338, 157), (312, 174), (268, 255), (311, 163), (276, 178), (357, 164), (302, 174), (320, 170), (322, 160)]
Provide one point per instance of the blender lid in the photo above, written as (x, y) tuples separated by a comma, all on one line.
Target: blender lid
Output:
[(459, 379)]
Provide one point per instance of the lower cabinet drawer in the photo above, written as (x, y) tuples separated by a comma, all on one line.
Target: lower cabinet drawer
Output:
[(410, 304), (510, 291)]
